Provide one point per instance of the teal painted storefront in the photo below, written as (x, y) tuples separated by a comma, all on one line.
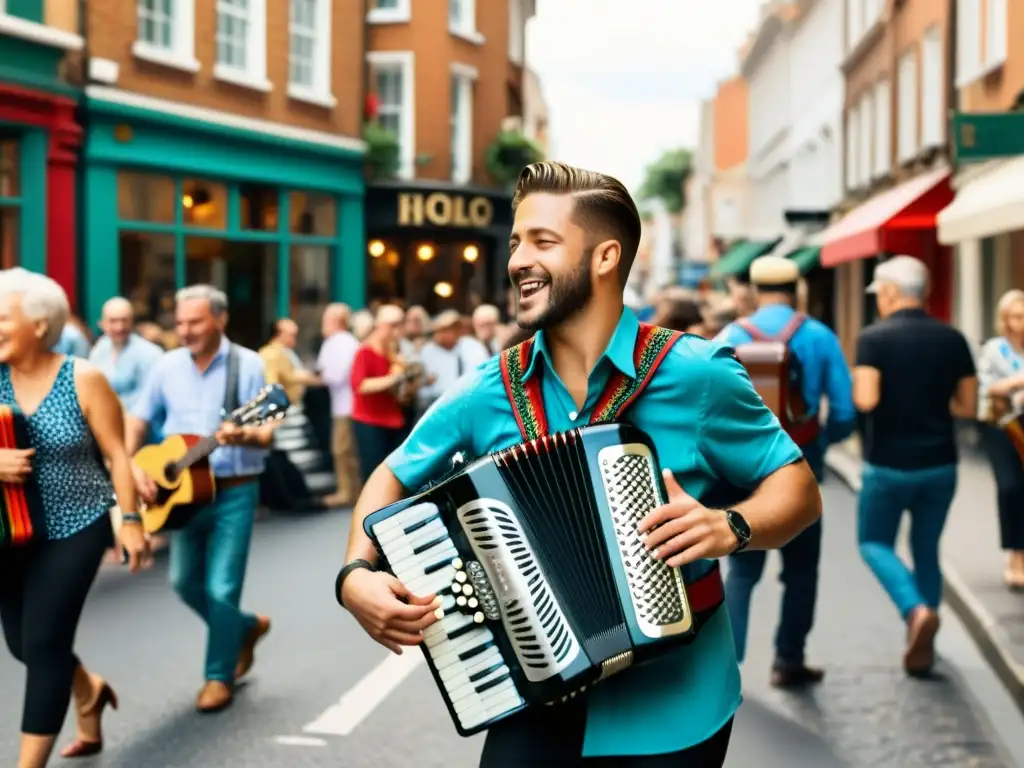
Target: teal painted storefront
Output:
[(125, 143)]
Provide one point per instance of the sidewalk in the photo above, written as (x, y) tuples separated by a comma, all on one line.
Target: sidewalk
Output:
[(972, 564)]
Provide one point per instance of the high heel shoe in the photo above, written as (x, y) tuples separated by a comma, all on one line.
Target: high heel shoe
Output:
[(86, 747)]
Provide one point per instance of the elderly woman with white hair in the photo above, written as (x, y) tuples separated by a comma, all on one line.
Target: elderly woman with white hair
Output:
[(74, 420), (1001, 392)]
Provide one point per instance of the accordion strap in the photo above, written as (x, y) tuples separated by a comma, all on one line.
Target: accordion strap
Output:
[(527, 401)]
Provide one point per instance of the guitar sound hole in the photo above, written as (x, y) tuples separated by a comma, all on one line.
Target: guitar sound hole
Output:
[(170, 472)]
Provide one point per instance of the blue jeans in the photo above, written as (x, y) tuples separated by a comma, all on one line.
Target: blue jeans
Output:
[(208, 561), (885, 494), (799, 579)]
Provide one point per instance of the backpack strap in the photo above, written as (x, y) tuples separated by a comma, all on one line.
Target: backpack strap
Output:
[(789, 329), (652, 344), (231, 389), (524, 396), (752, 330)]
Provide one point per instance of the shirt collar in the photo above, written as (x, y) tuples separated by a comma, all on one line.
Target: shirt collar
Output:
[(619, 351)]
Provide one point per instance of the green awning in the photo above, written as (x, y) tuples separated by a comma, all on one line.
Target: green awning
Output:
[(737, 260), (805, 258)]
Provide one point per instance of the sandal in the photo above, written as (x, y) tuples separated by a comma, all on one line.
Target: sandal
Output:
[(87, 747)]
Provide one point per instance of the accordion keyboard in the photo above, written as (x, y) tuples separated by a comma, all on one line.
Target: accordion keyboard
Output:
[(468, 664)]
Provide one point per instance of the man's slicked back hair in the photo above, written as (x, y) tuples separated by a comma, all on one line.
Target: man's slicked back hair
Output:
[(603, 206)]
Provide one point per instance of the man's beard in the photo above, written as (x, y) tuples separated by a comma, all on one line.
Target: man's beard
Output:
[(566, 296)]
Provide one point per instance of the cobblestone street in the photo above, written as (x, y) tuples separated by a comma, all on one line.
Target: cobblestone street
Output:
[(866, 714)]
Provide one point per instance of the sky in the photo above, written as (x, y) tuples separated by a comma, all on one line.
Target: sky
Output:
[(623, 79)]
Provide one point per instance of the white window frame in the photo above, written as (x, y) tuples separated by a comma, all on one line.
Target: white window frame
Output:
[(516, 32), (907, 100), (407, 120), (867, 132), (968, 45), (933, 97), (996, 35), (882, 164), (853, 147), (400, 14), (182, 52), (320, 92), (463, 77), (466, 29), (254, 73)]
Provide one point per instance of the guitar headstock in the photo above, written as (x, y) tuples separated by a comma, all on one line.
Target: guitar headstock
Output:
[(269, 405)]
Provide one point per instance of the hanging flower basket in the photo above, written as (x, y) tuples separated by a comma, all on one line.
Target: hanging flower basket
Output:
[(510, 152), (383, 152)]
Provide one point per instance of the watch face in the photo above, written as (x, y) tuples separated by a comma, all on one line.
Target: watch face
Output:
[(739, 524)]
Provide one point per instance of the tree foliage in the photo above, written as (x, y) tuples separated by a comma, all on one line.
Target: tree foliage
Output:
[(665, 177)]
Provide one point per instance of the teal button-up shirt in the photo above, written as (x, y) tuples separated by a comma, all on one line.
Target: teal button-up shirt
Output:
[(710, 428)]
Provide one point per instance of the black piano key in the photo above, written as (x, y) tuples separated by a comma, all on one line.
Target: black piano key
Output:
[(440, 565), (465, 629), (433, 543), (478, 649), (492, 683), (422, 523), (485, 672)]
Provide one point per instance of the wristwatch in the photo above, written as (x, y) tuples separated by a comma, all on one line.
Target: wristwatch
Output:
[(740, 527), (343, 574)]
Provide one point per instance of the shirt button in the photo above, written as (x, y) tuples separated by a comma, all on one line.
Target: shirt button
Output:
[(573, 415)]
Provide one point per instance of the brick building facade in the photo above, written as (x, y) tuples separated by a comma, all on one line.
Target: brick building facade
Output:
[(444, 78), (224, 146)]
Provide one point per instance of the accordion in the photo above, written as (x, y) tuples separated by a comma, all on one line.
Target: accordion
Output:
[(21, 506), (545, 582)]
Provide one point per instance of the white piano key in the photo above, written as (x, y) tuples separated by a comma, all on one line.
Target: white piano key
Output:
[(469, 687), (452, 675), (404, 519), (405, 548)]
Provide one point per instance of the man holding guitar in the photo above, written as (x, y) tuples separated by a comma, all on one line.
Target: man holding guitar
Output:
[(196, 386)]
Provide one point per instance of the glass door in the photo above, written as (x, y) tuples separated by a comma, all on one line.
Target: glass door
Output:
[(247, 273)]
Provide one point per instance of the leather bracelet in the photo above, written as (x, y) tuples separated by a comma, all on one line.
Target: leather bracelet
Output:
[(343, 574)]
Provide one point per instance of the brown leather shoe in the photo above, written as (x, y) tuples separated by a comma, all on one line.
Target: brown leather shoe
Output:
[(247, 654), (214, 697), (796, 677), (922, 626)]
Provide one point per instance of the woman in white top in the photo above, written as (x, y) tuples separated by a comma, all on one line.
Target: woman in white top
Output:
[(1001, 392)]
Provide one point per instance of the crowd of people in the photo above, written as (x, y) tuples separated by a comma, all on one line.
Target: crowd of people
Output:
[(404, 388)]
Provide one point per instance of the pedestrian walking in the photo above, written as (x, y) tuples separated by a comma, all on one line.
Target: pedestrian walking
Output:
[(913, 375), (192, 386), (1000, 407), (819, 370), (74, 421), (334, 362)]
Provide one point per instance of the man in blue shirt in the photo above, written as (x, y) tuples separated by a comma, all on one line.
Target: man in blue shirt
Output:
[(824, 374), (574, 240), (209, 555), (124, 357)]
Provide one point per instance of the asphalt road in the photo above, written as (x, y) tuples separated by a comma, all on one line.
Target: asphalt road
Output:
[(316, 672)]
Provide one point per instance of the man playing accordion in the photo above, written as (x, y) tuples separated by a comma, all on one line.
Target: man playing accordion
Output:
[(573, 242)]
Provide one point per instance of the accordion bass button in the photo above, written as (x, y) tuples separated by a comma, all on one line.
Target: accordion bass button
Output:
[(473, 602), (461, 577), (457, 563), (456, 588), (478, 617), (460, 601)]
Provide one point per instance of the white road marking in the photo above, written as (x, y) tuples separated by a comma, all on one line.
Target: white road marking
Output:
[(366, 695), (300, 741)]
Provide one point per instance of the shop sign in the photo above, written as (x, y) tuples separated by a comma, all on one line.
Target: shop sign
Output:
[(441, 209), (984, 136)]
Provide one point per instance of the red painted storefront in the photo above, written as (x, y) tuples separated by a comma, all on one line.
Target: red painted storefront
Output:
[(56, 115)]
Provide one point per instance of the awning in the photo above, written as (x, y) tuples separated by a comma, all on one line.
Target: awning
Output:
[(738, 259), (890, 222), (805, 258), (986, 206)]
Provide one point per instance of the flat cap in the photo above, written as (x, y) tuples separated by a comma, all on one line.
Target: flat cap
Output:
[(446, 319), (774, 270)]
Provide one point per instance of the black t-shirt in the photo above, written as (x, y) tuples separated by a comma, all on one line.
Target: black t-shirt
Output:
[(921, 361)]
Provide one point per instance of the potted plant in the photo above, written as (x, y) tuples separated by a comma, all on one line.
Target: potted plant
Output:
[(510, 152), (383, 152)]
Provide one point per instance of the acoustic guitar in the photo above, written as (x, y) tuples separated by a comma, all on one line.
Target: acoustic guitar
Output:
[(180, 466)]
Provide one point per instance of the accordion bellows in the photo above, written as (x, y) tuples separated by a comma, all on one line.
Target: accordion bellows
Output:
[(546, 585), (20, 503)]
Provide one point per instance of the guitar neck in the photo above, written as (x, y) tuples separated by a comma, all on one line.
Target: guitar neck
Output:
[(197, 452)]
